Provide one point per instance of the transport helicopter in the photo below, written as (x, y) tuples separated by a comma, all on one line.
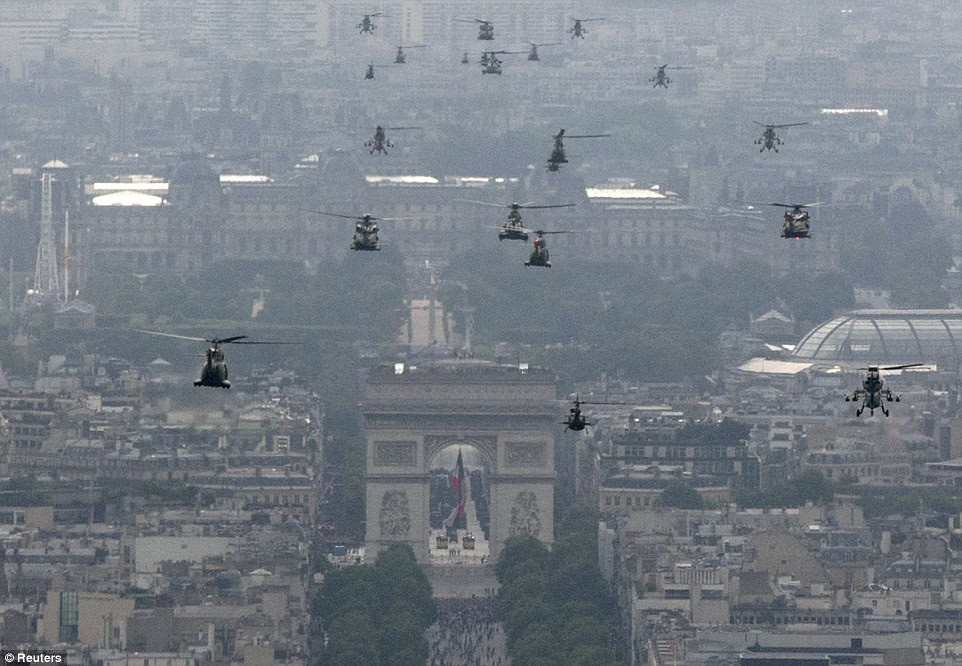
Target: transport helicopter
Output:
[(578, 30), (214, 371), (576, 420), (367, 25), (872, 394), (513, 229), (380, 143), (769, 139), (533, 53), (465, 60), (485, 28), (369, 74), (539, 253), (661, 76), (366, 229), (491, 63), (558, 157), (796, 219), (401, 58)]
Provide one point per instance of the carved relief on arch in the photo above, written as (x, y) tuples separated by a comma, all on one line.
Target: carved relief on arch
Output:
[(524, 454), (525, 516), (487, 444), (395, 515)]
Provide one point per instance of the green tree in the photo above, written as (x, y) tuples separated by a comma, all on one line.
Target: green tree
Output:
[(681, 495)]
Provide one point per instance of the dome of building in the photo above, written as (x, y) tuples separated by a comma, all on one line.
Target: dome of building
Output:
[(887, 337)]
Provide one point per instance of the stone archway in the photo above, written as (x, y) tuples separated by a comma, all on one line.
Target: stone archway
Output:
[(412, 413)]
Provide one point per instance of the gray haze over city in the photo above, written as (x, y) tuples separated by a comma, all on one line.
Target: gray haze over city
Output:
[(288, 376)]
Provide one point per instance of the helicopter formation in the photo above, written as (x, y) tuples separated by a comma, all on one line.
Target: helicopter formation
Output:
[(872, 395)]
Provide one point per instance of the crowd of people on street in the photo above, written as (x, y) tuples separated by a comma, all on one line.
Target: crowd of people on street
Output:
[(468, 633)]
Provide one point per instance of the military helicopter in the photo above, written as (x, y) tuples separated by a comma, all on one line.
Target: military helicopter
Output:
[(491, 63), (485, 28), (872, 393), (380, 143), (533, 53), (465, 60), (661, 76), (367, 25), (400, 58), (769, 139), (214, 371), (366, 229), (539, 253), (796, 219), (576, 420), (578, 30), (513, 229), (558, 157)]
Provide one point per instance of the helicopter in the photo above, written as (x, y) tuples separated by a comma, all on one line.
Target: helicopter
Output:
[(872, 393), (491, 63), (533, 53), (661, 76), (558, 157), (365, 229), (380, 143), (513, 229), (578, 30), (539, 253), (465, 60), (485, 28), (367, 25), (796, 219), (576, 420), (214, 371), (400, 58), (769, 139)]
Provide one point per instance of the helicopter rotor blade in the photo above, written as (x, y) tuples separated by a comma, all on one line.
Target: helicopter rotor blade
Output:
[(560, 231), (324, 212), (902, 367), (172, 335), (224, 341), (787, 125), (526, 206), (482, 203), (679, 67), (263, 342), (585, 136), (402, 128)]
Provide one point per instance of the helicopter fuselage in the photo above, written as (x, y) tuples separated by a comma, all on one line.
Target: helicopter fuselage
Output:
[(214, 371), (539, 254), (796, 224)]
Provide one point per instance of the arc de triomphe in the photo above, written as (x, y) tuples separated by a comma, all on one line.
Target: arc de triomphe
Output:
[(413, 412)]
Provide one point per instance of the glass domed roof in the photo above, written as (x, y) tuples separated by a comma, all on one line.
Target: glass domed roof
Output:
[(887, 337)]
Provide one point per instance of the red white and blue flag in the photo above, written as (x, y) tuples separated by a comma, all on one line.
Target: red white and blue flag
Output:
[(457, 485)]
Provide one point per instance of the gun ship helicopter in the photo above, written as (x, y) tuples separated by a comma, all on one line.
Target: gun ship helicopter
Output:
[(576, 420), (872, 394), (578, 29), (769, 139), (214, 372), (661, 77)]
